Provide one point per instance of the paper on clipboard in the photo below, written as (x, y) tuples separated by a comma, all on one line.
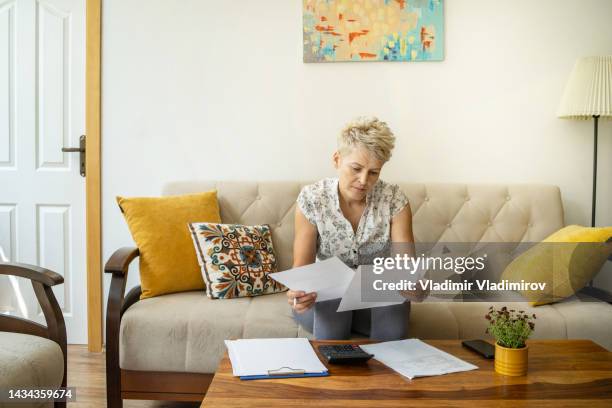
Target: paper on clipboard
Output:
[(329, 278), (273, 358)]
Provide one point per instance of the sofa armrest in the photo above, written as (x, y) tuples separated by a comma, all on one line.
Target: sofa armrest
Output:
[(119, 262), (118, 265), (597, 293)]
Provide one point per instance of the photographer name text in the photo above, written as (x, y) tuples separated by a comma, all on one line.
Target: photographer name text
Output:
[(449, 285)]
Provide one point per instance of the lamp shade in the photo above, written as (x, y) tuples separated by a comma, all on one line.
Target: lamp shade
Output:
[(589, 90)]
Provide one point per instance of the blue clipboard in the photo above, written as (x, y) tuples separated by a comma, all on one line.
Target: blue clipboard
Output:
[(284, 372), (271, 377)]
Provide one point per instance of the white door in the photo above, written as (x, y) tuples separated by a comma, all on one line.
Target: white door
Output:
[(42, 109)]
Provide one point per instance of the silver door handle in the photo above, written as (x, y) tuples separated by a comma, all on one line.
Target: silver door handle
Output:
[(80, 150)]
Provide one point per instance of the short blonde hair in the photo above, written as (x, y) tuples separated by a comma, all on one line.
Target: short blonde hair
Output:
[(368, 132)]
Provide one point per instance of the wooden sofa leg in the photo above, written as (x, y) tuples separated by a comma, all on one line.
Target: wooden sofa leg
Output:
[(113, 399), (113, 383), (113, 389)]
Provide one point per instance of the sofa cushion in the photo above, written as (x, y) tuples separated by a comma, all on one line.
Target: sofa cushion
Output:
[(562, 320), (29, 361), (158, 225), (235, 259), (184, 332), (565, 261), (586, 320)]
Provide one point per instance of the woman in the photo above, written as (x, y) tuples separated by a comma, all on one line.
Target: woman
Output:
[(345, 217)]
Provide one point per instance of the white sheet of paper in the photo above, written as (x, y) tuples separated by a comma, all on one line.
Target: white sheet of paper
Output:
[(352, 297), (259, 356), (329, 278), (414, 358)]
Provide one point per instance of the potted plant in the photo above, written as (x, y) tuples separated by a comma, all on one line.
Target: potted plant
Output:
[(510, 328)]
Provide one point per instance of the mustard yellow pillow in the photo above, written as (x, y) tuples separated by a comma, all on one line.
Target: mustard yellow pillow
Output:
[(159, 226), (566, 261)]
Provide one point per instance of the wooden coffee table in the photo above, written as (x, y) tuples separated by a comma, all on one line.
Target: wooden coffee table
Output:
[(562, 373)]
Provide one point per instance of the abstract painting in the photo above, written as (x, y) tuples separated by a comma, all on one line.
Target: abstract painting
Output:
[(373, 30)]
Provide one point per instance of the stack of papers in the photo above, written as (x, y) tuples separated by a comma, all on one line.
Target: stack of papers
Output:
[(413, 358), (329, 278), (351, 300), (274, 358)]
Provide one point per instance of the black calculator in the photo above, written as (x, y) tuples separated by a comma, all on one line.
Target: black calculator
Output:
[(344, 354)]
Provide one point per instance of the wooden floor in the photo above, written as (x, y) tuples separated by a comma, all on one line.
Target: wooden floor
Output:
[(87, 372)]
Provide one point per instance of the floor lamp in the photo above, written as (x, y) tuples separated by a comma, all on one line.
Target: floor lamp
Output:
[(588, 94)]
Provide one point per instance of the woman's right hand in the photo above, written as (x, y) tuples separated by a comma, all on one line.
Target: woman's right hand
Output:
[(300, 300)]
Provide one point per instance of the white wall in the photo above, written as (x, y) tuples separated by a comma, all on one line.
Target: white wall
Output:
[(214, 89)]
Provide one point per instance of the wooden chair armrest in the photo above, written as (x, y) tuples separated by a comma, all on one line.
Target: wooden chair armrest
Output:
[(120, 260), (31, 272)]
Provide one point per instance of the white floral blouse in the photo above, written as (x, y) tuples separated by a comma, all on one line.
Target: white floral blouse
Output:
[(319, 202)]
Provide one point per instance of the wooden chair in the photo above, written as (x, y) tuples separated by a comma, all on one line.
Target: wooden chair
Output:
[(42, 282)]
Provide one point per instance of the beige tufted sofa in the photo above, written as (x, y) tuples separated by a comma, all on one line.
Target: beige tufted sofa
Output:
[(184, 332)]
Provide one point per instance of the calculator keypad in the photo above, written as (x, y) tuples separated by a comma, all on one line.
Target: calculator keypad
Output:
[(344, 353)]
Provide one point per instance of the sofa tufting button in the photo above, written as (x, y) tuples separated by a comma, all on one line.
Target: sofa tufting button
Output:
[(467, 198), (258, 198), (507, 198), (426, 198), (490, 224), (449, 225), (530, 225)]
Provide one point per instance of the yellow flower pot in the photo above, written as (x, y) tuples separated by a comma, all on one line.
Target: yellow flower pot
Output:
[(510, 361)]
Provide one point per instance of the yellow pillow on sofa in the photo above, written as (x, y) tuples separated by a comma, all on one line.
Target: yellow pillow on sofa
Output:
[(159, 226), (566, 261)]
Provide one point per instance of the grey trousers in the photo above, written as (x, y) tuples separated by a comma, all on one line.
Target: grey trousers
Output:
[(380, 323)]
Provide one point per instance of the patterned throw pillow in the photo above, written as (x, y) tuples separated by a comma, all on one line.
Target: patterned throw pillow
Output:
[(235, 259)]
